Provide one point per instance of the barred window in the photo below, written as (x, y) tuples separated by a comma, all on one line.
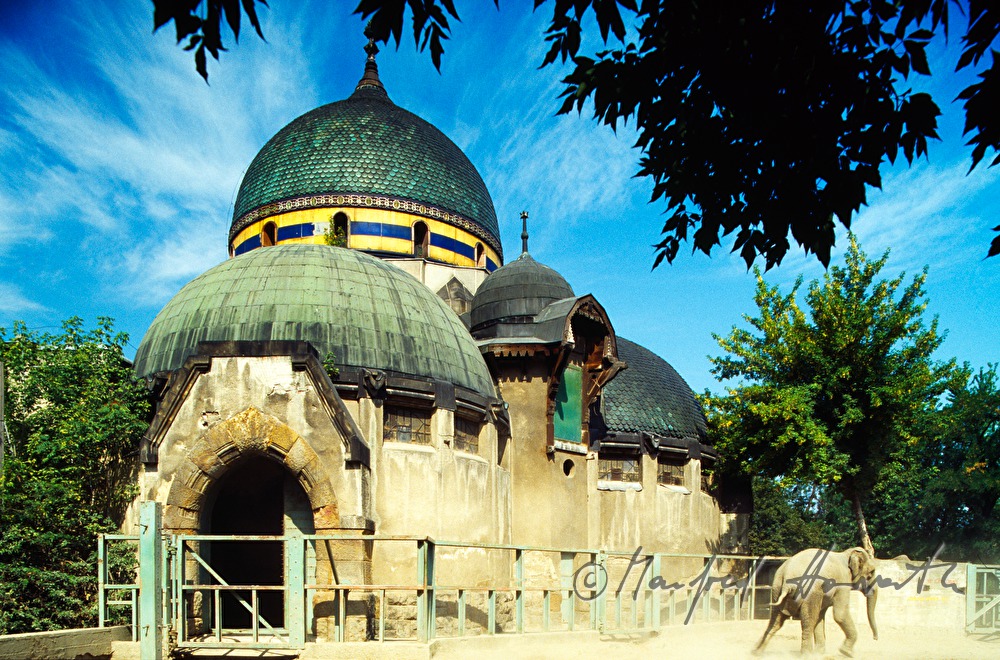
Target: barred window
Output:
[(670, 472), (707, 481), (467, 435), (408, 425), (620, 469)]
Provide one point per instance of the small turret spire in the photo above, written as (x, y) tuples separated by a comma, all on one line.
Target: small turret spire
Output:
[(370, 78), (524, 232)]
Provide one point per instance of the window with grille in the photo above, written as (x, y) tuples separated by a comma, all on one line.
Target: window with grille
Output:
[(620, 469), (408, 425), (467, 435), (706, 481), (670, 472)]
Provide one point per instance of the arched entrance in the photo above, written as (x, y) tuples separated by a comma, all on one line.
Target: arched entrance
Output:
[(257, 496)]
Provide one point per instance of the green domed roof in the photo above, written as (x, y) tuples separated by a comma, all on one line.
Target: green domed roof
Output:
[(365, 311), (367, 146), (650, 396), (516, 292)]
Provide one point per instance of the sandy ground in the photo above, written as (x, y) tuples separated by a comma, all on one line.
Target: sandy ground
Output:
[(734, 641), (719, 641)]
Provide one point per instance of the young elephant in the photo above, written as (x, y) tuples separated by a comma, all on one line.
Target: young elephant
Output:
[(811, 582)]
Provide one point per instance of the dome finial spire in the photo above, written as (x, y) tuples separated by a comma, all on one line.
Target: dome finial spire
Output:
[(524, 232), (370, 79)]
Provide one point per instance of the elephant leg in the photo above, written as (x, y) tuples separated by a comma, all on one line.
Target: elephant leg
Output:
[(842, 615), (777, 620), (809, 613), (819, 632)]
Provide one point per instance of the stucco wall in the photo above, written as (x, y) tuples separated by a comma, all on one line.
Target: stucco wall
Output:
[(439, 492), (276, 393), (59, 644), (901, 605)]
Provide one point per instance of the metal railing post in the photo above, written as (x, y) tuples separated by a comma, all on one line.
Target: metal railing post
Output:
[(970, 597), (101, 570), (599, 605), (295, 591), (519, 590), (426, 611), (150, 584), (655, 618)]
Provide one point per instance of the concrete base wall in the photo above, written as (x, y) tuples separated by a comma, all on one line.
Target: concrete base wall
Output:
[(902, 606), (62, 644)]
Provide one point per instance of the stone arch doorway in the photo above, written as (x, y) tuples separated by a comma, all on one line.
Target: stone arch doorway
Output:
[(242, 476), (256, 497)]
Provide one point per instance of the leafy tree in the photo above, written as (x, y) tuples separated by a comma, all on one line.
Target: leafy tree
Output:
[(755, 119), (75, 416), (784, 521), (961, 499), (833, 397)]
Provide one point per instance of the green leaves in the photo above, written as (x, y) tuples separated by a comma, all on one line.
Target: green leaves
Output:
[(75, 417), (829, 395), (200, 22), (429, 22)]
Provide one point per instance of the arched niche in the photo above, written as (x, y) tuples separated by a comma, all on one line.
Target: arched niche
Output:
[(221, 448)]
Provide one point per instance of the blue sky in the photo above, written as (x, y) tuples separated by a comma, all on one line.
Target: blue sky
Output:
[(119, 168)]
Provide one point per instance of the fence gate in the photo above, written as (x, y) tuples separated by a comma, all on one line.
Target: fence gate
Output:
[(184, 602), (982, 610), (208, 611)]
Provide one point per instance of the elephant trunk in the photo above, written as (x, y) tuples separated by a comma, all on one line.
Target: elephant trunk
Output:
[(871, 596)]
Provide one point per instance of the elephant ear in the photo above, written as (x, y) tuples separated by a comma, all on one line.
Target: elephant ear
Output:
[(856, 561)]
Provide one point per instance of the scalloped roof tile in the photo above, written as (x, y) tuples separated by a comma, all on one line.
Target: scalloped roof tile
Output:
[(650, 396), (366, 145)]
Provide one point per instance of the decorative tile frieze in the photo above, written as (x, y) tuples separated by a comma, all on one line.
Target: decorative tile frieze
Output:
[(365, 201)]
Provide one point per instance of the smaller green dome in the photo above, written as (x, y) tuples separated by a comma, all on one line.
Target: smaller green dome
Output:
[(650, 396), (516, 292), (366, 312)]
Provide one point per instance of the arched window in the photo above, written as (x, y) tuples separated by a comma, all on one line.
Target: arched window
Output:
[(421, 239), (480, 256), (269, 235), (338, 231)]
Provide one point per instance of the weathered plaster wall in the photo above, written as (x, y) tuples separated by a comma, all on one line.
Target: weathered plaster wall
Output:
[(549, 506), (659, 518), (252, 403), (439, 492), (436, 276), (60, 644)]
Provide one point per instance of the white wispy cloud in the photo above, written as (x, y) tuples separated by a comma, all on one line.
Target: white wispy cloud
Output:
[(130, 154), (12, 301), (932, 215)]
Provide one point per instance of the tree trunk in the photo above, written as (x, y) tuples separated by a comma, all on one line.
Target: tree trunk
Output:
[(866, 541)]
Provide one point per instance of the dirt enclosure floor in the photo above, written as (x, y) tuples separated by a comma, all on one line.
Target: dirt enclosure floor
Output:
[(734, 641)]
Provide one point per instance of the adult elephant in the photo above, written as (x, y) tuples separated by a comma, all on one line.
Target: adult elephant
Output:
[(810, 583)]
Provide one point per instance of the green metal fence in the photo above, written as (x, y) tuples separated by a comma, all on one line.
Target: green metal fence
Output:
[(457, 589), (982, 599)]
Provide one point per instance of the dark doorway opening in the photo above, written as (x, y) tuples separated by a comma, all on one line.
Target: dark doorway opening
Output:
[(250, 501), (421, 240)]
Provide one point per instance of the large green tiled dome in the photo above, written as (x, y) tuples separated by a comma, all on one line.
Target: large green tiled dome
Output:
[(365, 311), (366, 146)]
